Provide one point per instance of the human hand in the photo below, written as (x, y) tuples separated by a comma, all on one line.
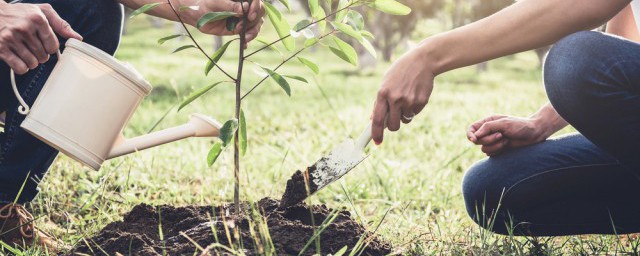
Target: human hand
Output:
[(497, 133), (27, 35), (255, 13), (405, 91)]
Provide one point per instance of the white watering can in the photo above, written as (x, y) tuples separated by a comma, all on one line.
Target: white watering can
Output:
[(86, 103)]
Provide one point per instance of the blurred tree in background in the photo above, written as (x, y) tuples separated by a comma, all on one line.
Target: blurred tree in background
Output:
[(393, 31), (395, 34)]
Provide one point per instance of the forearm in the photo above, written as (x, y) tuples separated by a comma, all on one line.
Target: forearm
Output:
[(164, 10), (525, 25), (548, 121)]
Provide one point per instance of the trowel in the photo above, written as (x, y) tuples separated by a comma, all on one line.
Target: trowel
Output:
[(342, 159)]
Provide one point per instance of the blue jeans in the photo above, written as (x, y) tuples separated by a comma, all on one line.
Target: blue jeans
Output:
[(583, 183), (23, 157)]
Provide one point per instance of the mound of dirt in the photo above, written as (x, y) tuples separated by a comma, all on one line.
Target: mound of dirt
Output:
[(290, 230)]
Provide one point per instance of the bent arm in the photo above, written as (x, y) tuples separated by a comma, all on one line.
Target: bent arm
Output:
[(525, 25)]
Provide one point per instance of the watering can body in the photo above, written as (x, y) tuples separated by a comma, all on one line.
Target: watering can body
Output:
[(88, 100)]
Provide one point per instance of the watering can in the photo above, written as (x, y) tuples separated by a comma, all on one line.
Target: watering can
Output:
[(86, 103)]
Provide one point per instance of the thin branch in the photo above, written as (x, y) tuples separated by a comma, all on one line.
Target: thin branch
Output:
[(285, 61), (194, 40), (236, 144), (303, 28)]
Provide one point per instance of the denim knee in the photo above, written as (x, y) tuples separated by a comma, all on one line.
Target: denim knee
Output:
[(572, 69), (481, 193)]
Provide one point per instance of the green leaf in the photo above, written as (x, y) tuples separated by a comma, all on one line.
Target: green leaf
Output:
[(299, 78), (243, 133), (271, 46), (214, 153), (196, 95), (341, 14), (310, 64), (164, 39), (216, 57), (143, 9), (367, 34), (281, 25), (227, 131), (355, 19), (302, 24), (232, 22), (314, 5), (390, 6), (345, 51), (311, 41), (285, 3), (318, 15), (279, 79), (347, 30), (182, 48), (213, 17), (314, 67), (369, 47)]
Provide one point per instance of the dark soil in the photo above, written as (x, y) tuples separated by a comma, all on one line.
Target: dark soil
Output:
[(290, 229), (298, 188)]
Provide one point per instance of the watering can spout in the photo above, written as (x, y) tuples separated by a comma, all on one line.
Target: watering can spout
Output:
[(198, 126)]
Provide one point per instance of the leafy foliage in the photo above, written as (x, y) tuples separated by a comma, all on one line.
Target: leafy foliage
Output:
[(344, 21), (216, 57), (145, 8), (213, 17)]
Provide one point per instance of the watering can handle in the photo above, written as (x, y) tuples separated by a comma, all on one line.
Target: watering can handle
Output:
[(24, 108)]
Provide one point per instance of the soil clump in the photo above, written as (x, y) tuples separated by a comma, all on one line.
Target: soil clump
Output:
[(290, 230)]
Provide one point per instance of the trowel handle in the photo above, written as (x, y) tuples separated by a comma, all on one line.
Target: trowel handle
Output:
[(364, 138)]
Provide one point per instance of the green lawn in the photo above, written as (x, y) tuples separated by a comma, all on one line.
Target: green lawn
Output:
[(415, 175)]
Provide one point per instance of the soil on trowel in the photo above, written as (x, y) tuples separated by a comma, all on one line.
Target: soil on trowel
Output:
[(290, 230), (298, 188)]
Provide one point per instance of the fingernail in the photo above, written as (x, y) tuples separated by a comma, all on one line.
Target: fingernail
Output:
[(378, 143)]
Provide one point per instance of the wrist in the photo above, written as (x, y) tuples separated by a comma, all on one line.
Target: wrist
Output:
[(543, 127), (429, 56)]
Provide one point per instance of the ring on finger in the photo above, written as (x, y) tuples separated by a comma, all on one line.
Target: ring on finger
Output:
[(408, 117)]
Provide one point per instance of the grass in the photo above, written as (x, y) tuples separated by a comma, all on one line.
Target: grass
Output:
[(414, 178)]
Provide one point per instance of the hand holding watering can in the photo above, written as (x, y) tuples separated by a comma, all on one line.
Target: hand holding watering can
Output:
[(86, 103)]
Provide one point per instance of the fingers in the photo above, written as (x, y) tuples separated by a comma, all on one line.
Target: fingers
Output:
[(26, 56), (490, 128), (395, 113), (230, 6), (253, 32), (48, 39), (59, 25), (490, 139), (407, 114), (496, 148), (253, 11), (37, 49), (18, 66), (378, 119)]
